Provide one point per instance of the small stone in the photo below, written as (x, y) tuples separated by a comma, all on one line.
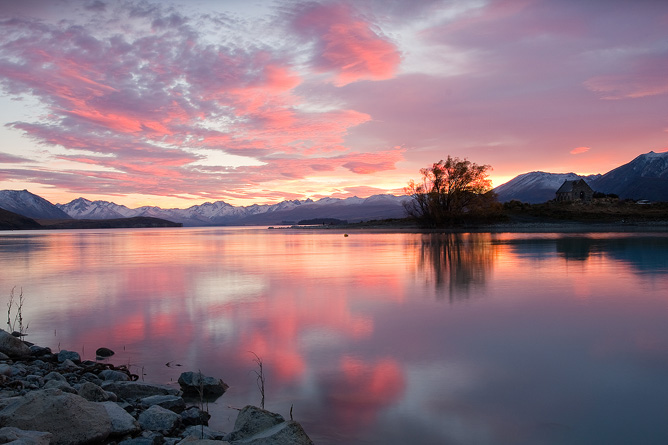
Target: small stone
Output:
[(53, 375), (195, 416), (104, 352), (92, 392), (68, 364), (114, 376), (192, 383), (69, 355)]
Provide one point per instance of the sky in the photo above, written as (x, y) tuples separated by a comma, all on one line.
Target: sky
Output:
[(255, 101)]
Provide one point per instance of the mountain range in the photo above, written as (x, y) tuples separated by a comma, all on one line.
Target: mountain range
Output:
[(645, 177)]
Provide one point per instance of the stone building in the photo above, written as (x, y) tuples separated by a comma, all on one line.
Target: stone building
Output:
[(577, 190)]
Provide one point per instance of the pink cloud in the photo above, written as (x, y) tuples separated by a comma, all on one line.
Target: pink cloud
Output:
[(579, 150), (346, 43)]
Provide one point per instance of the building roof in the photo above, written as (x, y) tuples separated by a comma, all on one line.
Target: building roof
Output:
[(567, 186)]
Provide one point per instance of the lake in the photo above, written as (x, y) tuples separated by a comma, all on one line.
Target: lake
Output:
[(373, 338)]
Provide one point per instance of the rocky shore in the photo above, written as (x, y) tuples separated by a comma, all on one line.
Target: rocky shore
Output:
[(55, 398)]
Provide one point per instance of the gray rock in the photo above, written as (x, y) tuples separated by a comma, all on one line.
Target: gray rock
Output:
[(195, 441), (195, 416), (251, 420), (286, 433), (12, 346), (90, 377), (203, 432), (172, 403), (114, 376), (71, 419), (5, 369), (18, 436), (39, 351), (92, 392), (60, 385), (149, 439), (53, 375), (3, 356), (69, 355), (104, 352), (138, 390), (192, 383), (122, 422), (159, 419)]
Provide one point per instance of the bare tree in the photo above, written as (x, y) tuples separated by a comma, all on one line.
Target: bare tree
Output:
[(449, 190)]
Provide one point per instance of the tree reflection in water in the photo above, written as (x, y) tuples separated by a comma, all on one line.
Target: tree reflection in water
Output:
[(458, 263)]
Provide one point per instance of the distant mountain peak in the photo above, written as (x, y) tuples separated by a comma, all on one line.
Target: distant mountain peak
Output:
[(30, 205)]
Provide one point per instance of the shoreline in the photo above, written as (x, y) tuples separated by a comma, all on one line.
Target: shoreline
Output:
[(511, 227), (57, 398)]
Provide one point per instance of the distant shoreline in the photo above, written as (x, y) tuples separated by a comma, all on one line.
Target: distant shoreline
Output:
[(511, 227)]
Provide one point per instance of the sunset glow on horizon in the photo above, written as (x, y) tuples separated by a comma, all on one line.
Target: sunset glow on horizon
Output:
[(172, 104)]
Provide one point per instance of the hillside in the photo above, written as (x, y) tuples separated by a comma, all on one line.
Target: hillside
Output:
[(13, 221)]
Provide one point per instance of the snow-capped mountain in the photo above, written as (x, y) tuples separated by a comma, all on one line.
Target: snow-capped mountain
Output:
[(645, 177), (85, 209), (222, 213), (536, 187), (28, 204)]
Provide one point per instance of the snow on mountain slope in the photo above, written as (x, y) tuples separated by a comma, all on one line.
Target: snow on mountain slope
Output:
[(81, 208), (645, 177), (28, 204), (222, 213), (536, 187)]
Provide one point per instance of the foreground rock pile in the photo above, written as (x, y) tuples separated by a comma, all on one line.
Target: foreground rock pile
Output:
[(48, 398)]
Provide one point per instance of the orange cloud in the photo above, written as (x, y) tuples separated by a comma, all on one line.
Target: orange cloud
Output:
[(580, 150)]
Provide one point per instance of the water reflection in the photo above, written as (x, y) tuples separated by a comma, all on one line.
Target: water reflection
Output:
[(457, 264), (646, 254), (349, 331)]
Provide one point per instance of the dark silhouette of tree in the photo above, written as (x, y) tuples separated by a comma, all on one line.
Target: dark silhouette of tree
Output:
[(451, 191)]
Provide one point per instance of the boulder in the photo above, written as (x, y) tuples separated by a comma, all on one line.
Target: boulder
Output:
[(71, 419), (286, 433), (251, 420), (12, 346), (257, 426), (122, 423), (138, 390), (69, 355), (194, 383), (203, 432), (18, 436), (159, 419), (172, 403)]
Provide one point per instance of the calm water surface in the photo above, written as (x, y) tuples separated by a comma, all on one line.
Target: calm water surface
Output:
[(376, 337)]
